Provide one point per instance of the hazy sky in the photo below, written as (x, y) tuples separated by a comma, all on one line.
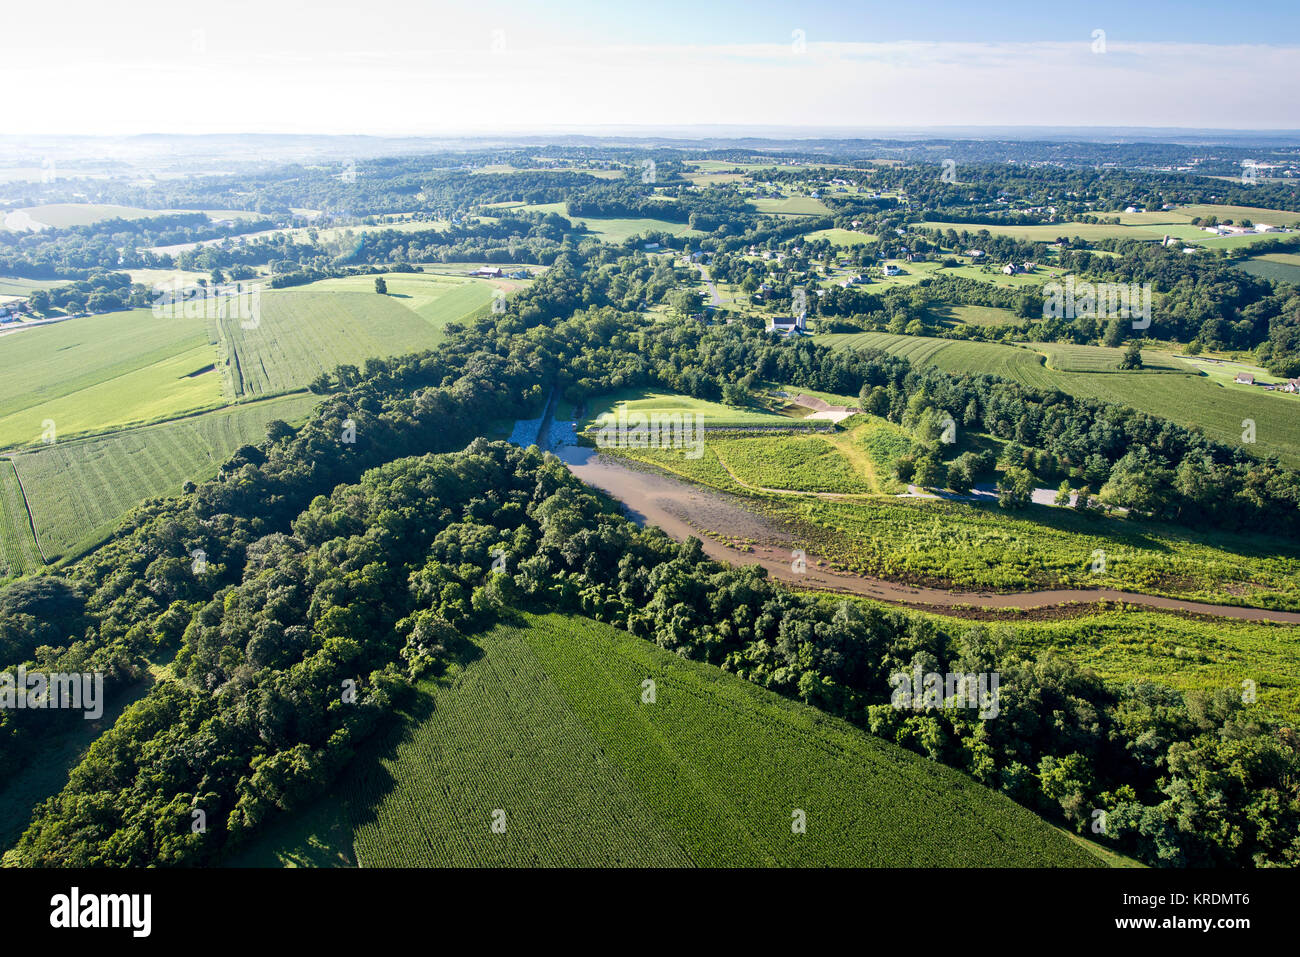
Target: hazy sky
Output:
[(408, 67)]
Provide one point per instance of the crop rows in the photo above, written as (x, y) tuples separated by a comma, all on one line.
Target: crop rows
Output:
[(78, 491)]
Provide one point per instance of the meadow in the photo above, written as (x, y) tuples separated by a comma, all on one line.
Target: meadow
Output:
[(841, 237), (60, 215), (102, 372), (79, 490), (1275, 267), (806, 463), (790, 206), (967, 546), (545, 732), (1217, 408), (304, 332), (651, 402)]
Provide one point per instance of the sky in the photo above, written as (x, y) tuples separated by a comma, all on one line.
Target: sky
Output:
[(405, 67)]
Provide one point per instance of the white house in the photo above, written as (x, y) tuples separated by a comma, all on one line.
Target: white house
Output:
[(889, 269)]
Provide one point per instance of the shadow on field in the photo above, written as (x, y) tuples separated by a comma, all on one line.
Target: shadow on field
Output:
[(321, 833)]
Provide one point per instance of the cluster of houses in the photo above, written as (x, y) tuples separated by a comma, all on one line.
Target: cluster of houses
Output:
[(1012, 269), (1290, 385)]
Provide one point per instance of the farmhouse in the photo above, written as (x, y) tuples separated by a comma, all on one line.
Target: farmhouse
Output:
[(489, 272), (889, 269), (1244, 378)]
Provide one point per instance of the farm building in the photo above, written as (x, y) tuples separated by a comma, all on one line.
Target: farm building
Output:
[(787, 325), (1244, 378), (488, 272)]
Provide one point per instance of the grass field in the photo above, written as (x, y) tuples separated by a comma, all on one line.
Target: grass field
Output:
[(548, 728), (1178, 652), (805, 463), (12, 288), (435, 298), (1275, 267), (790, 206), (1274, 217), (304, 332), (1045, 233), (615, 230), (973, 315), (842, 237), (1194, 400), (19, 553), (79, 490), (60, 215), (650, 402), (104, 371)]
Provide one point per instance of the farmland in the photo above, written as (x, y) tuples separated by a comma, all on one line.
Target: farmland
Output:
[(79, 490), (303, 333), (60, 215), (104, 371), (548, 727), (1192, 400), (19, 553)]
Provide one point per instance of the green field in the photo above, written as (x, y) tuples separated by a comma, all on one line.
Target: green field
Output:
[(19, 553), (1274, 217), (11, 288), (804, 463), (842, 237), (79, 490), (973, 315), (104, 371), (1177, 652), (1191, 400), (651, 402), (1275, 267), (615, 230), (1045, 233), (304, 332), (435, 298), (790, 206), (547, 732)]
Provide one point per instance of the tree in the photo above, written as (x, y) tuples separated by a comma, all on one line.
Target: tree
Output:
[(686, 302), (381, 287), (1063, 493), (1114, 334), (1015, 488), (1132, 356)]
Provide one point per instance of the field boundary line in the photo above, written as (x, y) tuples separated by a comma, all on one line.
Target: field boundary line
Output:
[(31, 520)]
